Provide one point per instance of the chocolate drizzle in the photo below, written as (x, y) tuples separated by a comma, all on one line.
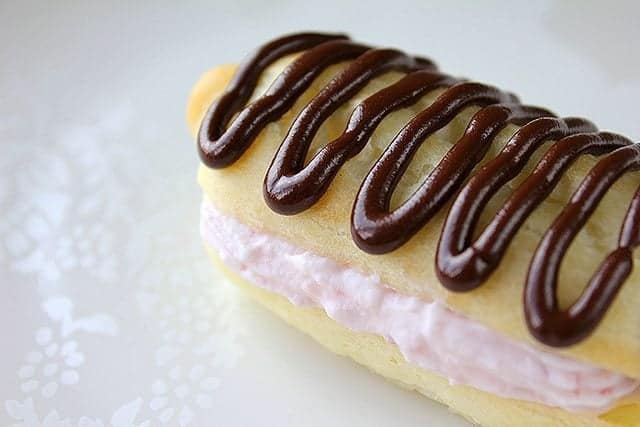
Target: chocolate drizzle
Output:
[(564, 327), (461, 264), (378, 230)]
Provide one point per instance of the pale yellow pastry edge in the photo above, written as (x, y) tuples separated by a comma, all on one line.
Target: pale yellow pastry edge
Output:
[(383, 358), (324, 230)]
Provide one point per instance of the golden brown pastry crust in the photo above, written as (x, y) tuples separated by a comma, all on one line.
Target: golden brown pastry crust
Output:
[(325, 229)]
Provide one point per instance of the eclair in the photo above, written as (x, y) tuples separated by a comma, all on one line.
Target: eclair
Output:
[(434, 229)]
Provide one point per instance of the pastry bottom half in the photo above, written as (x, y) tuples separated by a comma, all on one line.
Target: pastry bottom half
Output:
[(384, 358)]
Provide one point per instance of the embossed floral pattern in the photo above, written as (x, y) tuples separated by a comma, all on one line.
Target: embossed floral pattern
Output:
[(26, 416), (56, 360), (93, 256), (174, 397)]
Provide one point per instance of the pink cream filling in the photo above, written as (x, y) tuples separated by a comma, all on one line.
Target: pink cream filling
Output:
[(427, 333)]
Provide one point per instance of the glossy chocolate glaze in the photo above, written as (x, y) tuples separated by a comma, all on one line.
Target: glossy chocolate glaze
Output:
[(461, 264)]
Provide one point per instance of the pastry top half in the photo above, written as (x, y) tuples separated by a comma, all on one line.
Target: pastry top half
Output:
[(446, 189)]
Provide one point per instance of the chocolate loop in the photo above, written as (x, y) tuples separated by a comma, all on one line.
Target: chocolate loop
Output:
[(374, 227), (463, 265), (291, 187), (546, 321), (219, 147)]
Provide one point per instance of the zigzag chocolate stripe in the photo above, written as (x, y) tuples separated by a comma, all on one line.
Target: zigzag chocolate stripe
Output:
[(462, 265)]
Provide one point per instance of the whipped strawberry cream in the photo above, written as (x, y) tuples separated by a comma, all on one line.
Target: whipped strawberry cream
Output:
[(427, 333)]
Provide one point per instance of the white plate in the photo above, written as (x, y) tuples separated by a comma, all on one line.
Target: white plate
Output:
[(111, 314)]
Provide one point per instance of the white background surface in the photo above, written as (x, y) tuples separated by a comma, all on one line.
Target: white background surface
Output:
[(110, 314)]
